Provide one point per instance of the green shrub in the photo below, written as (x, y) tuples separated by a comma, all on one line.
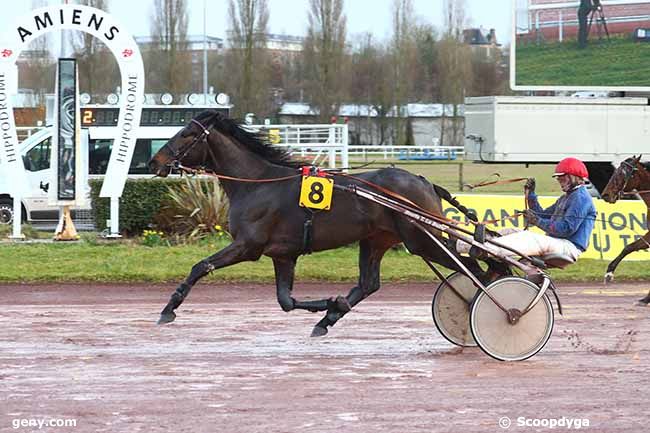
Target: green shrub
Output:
[(140, 202), (188, 207)]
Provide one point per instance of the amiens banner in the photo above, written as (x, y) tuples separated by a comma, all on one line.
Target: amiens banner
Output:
[(617, 225)]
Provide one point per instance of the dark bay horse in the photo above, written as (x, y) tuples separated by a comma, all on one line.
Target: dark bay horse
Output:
[(631, 175), (266, 219)]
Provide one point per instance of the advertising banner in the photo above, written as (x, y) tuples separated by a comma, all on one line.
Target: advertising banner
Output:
[(617, 225), (66, 136)]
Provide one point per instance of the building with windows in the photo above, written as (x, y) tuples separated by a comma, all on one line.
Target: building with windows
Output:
[(481, 41)]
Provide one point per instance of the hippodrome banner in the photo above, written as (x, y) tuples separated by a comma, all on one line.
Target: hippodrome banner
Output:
[(103, 26), (617, 225)]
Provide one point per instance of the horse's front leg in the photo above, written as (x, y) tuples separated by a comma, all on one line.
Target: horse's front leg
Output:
[(639, 244), (284, 276), (371, 251), (234, 253)]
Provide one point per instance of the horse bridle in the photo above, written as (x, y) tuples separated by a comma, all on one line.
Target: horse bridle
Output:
[(179, 154), (629, 174)]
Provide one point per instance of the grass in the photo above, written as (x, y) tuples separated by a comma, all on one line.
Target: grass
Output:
[(92, 260), (126, 261), (618, 63)]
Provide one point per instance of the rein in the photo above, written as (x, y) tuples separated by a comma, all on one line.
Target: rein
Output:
[(194, 171), (644, 191), (495, 182), (502, 182)]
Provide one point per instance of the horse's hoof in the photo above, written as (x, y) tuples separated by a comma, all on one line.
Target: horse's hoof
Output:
[(318, 331), (166, 318), (642, 303), (609, 277)]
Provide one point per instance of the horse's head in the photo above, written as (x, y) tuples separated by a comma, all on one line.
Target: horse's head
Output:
[(188, 148), (624, 179)]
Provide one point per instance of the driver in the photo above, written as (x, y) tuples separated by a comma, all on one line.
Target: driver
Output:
[(567, 223)]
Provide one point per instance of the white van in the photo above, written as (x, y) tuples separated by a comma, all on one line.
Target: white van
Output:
[(158, 124)]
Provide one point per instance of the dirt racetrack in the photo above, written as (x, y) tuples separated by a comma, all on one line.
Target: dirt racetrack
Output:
[(234, 362)]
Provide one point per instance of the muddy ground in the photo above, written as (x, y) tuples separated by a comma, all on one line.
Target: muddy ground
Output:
[(234, 362)]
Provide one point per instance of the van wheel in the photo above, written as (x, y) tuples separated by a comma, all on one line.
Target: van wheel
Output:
[(6, 211)]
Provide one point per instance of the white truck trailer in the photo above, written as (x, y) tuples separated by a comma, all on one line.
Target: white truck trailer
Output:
[(540, 129)]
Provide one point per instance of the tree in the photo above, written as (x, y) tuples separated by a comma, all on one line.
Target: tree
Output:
[(370, 84), (37, 68), (402, 65), (247, 62), (98, 69), (324, 56), (168, 65), (455, 67), (427, 73)]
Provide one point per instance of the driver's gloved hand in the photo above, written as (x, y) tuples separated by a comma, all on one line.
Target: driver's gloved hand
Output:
[(530, 184)]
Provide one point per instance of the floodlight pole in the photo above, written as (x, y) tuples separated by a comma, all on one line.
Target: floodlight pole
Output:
[(205, 54)]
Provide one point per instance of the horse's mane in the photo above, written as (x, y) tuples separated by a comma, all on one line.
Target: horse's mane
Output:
[(257, 143)]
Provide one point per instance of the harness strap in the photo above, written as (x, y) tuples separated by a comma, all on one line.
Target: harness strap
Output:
[(405, 200), (308, 233), (382, 189)]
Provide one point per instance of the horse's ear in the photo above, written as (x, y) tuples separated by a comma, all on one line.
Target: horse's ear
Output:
[(637, 159)]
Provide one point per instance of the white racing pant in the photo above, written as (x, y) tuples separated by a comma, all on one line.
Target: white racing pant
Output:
[(528, 243)]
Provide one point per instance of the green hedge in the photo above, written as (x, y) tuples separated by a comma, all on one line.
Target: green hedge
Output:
[(139, 204)]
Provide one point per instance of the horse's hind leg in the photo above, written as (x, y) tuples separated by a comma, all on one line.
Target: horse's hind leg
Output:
[(371, 251), (284, 275), (639, 244), (233, 253)]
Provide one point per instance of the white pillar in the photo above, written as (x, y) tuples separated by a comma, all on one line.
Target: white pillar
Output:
[(332, 143), (345, 157), (16, 233), (115, 218)]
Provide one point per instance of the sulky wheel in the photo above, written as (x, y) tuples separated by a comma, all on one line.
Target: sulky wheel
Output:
[(451, 312), (493, 331)]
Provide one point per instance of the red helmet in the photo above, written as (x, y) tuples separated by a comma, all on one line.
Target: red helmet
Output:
[(571, 166)]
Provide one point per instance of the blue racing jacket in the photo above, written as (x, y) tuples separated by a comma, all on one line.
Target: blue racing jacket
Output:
[(571, 217)]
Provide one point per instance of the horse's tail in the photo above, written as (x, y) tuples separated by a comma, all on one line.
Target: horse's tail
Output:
[(443, 193)]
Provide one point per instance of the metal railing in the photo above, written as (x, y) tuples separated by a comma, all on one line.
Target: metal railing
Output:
[(536, 25), (319, 140), (408, 152)]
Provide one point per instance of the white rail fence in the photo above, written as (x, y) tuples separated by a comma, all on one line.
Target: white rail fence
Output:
[(330, 142), (319, 141), (567, 15)]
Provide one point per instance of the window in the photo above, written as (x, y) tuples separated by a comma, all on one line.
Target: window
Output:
[(156, 145), (38, 158), (100, 153), (141, 157)]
